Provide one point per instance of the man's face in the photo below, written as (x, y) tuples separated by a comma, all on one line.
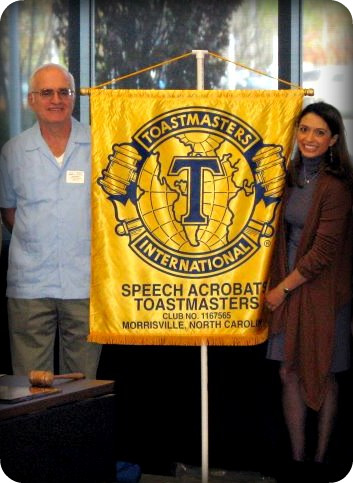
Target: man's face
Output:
[(55, 108)]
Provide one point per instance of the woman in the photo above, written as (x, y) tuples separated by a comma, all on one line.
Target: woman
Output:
[(310, 287)]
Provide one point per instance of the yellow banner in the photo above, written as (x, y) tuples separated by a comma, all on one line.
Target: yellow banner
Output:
[(186, 187)]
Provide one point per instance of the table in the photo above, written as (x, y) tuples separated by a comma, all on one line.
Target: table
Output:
[(67, 437)]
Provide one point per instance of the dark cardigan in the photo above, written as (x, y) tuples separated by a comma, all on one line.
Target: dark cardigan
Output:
[(324, 258)]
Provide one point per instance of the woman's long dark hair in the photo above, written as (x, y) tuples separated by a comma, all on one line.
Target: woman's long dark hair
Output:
[(336, 161)]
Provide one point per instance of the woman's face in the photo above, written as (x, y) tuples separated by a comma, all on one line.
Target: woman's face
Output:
[(314, 136)]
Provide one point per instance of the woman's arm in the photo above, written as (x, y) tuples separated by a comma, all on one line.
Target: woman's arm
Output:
[(275, 297), (334, 211)]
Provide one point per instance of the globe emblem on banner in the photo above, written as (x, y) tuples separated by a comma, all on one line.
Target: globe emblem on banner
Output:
[(192, 199), (164, 199)]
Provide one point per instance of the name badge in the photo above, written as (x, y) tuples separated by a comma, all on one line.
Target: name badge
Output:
[(75, 177)]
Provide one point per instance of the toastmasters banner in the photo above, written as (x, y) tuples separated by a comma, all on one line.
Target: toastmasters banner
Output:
[(185, 195)]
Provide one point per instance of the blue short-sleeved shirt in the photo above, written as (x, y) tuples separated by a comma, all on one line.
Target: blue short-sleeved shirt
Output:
[(50, 243)]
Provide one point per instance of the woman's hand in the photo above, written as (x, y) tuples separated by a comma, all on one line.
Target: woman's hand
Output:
[(274, 298)]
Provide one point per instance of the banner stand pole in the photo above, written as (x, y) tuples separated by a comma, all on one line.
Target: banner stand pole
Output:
[(200, 77)]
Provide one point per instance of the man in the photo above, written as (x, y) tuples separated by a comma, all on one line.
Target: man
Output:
[(45, 202)]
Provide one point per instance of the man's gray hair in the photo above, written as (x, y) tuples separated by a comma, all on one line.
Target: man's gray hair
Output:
[(51, 66)]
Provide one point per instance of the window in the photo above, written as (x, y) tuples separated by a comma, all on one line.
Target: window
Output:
[(124, 36), (328, 56), (31, 34), (129, 35), (132, 35)]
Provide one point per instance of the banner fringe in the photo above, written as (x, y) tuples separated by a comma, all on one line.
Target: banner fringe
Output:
[(222, 340)]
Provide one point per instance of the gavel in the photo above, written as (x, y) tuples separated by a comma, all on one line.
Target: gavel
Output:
[(46, 378)]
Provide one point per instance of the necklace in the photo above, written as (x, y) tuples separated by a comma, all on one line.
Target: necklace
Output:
[(308, 179)]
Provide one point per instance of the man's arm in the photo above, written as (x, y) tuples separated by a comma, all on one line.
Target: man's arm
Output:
[(8, 217)]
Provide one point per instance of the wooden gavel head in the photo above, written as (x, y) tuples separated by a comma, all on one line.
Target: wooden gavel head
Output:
[(46, 378)]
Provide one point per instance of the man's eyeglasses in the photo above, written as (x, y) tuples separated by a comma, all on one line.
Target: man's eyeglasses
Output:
[(63, 93)]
